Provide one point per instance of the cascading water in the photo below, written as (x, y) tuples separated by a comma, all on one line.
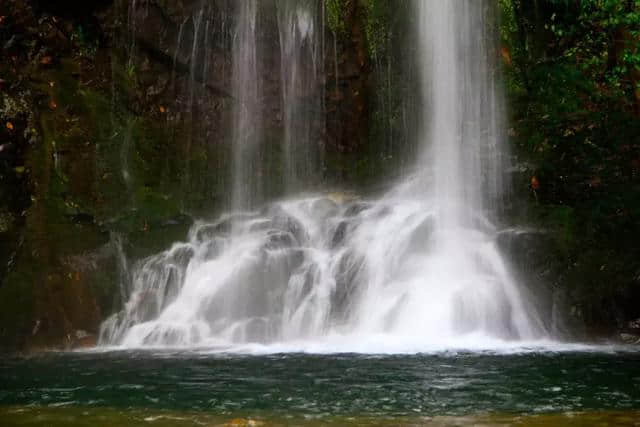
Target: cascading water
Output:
[(300, 66), (247, 175), (464, 154), (416, 270)]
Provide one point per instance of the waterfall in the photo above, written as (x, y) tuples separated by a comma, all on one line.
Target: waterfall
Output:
[(415, 270), (462, 139), (300, 66), (247, 121)]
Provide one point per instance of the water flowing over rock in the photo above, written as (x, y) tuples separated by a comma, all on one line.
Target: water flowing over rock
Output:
[(417, 269)]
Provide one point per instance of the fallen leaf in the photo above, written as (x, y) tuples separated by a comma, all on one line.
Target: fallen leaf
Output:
[(9, 125), (535, 184), (53, 105), (51, 84), (46, 60), (162, 109), (19, 169)]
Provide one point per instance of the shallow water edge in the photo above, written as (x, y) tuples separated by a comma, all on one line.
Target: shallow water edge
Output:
[(91, 416)]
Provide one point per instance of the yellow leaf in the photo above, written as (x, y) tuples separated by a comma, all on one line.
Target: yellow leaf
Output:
[(9, 125), (19, 169)]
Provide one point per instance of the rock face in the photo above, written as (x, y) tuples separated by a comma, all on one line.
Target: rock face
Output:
[(114, 133), (347, 91)]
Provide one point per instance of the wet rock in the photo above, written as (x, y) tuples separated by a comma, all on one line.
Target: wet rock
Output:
[(528, 249), (83, 339), (6, 148), (177, 220), (630, 338), (82, 218), (159, 87), (347, 286), (6, 221), (634, 324), (421, 236), (10, 43), (207, 232), (282, 221), (342, 197), (356, 208), (279, 240), (324, 207), (340, 234)]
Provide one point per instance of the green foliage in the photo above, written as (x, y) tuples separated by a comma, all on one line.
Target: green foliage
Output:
[(572, 71), (334, 10), (378, 25), (377, 15)]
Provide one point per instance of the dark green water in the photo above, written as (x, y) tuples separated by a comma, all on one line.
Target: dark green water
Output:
[(316, 386)]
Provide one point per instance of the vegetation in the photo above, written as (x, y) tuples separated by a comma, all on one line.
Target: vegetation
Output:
[(573, 80)]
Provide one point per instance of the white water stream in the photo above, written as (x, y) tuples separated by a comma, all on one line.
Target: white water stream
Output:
[(416, 270)]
